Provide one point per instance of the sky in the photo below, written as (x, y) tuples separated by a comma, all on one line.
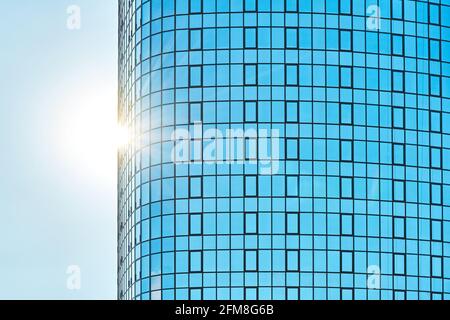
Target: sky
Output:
[(58, 107)]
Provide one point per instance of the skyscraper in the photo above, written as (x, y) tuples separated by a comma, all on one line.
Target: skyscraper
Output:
[(284, 149)]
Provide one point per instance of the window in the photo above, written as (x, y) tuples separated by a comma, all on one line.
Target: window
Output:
[(195, 264), (434, 14), (397, 45), (292, 186), (435, 49), (195, 294), (291, 74), (346, 150), (251, 186), (399, 263), (251, 258), (397, 81), (398, 115), (347, 261), (347, 294), (291, 111), (291, 149), (436, 230), (399, 228), (250, 38), (345, 40), (292, 223), (436, 267), (345, 6), (435, 158), (250, 5), (435, 122), (195, 187), (398, 154), (399, 190), (251, 223), (196, 224), (292, 260), (435, 85), (250, 74), (195, 112), (196, 6), (250, 111), (291, 38), (346, 113), (397, 9), (195, 39), (346, 224), (251, 148), (347, 188), (292, 293), (436, 193), (195, 76), (291, 6), (346, 77)]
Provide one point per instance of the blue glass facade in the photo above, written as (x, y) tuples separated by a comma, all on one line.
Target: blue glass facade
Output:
[(356, 97)]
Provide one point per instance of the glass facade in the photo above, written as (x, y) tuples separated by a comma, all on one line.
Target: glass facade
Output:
[(351, 199)]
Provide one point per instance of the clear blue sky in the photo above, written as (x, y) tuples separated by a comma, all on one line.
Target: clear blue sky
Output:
[(58, 91)]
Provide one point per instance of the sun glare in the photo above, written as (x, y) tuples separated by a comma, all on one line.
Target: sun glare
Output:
[(92, 136), (122, 136)]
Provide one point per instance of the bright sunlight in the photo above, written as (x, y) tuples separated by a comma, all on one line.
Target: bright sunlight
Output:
[(91, 136)]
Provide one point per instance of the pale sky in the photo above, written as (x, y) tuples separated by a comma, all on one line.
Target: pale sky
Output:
[(58, 93)]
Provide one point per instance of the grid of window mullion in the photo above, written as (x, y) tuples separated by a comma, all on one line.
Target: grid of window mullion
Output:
[(429, 171), (326, 171), (216, 220), (417, 204), (230, 170), (393, 254), (286, 161), (417, 155), (123, 273), (257, 168), (441, 167), (175, 173), (352, 173), (313, 161), (271, 194), (404, 166), (367, 150), (188, 294)]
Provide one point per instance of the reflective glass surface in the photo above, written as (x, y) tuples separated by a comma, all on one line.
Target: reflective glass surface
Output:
[(351, 197)]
